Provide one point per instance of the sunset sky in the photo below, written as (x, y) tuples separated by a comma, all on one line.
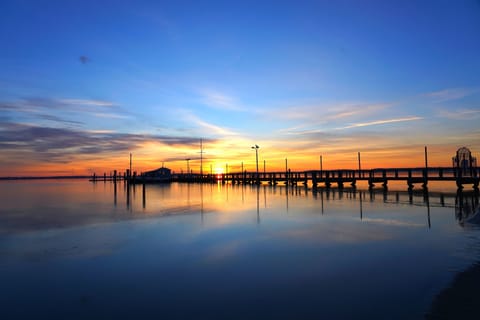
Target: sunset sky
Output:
[(85, 83)]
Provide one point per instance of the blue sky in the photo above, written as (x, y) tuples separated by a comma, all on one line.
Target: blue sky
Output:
[(299, 78)]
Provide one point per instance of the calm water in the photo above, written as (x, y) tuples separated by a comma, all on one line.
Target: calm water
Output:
[(74, 249)]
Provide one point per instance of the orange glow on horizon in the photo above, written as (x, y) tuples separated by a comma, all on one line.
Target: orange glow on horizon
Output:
[(217, 162)]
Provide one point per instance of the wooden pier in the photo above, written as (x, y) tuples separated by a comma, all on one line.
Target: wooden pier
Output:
[(326, 178), (341, 177), (464, 171)]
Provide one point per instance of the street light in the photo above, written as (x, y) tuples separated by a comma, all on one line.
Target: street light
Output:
[(188, 165), (256, 147)]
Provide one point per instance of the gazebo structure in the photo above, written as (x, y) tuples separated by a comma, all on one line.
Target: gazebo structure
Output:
[(463, 161)]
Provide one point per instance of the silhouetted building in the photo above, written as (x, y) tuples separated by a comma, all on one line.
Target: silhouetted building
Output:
[(464, 161), (159, 175)]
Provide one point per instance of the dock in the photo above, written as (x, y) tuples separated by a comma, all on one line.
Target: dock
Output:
[(464, 171), (341, 177), (325, 178)]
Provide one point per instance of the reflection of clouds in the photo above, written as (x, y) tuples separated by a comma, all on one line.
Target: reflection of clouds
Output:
[(391, 222), (86, 205), (55, 218), (60, 244), (323, 233), (223, 251), (292, 234)]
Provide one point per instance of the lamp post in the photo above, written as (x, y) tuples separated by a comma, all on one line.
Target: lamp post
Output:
[(256, 147), (130, 166), (359, 166), (188, 166), (201, 158)]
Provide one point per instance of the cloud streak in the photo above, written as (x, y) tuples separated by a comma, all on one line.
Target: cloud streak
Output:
[(211, 128), (99, 103), (351, 110), (58, 119), (56, 144), (324, 113), (34, 106), (463, 114), (64, 113), (450, 94), (379, 122), (219, 100)]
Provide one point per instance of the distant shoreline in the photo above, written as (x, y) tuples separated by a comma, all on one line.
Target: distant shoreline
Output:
[(43, 178)]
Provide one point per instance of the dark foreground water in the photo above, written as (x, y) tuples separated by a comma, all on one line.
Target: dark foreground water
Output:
[(74, 249)]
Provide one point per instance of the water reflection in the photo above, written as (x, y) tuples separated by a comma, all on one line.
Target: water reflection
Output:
[(361, 206), (78, 203), (427, 200), (258, 204), (462, 203), (144, 198), (467, 210), (115, 194), (208, 249)]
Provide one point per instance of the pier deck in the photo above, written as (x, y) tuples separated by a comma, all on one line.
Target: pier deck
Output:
[(327, 178), (340, 177)]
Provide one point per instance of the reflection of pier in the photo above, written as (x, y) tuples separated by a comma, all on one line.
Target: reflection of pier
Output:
[(463, 204), (419, 198), (467, 209)]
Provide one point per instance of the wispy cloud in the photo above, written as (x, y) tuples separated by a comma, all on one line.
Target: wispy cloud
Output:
[(99, 131), (214, 128), (99, 103), (450, 94), (66, 111), (311, 120), (57, 144), (321, 113), (351, 110), (58, 119), (218, 100), (63, 104), (110, 115), (379, 122), (209, 127), (463, 114), (51, 103)]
